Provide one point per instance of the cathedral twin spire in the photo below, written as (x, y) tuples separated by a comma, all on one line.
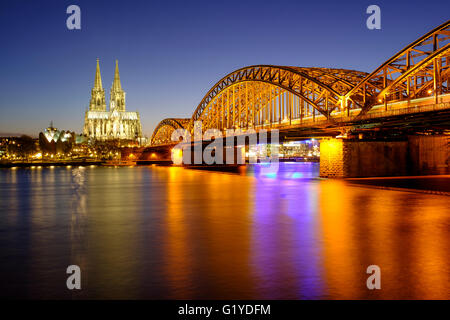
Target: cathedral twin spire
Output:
[(116, 84), (117, 98), (97, 102), (98, 78)]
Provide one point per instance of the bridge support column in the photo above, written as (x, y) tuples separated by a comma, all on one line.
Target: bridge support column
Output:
[(415, 155), (344, 159), (429, 154), (156, 155), (332, 158)]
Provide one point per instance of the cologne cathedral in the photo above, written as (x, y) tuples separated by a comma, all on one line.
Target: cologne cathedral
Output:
[(115, 123)]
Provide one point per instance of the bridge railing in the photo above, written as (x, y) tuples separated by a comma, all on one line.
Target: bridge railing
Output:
[(408, 110), (321, 120)]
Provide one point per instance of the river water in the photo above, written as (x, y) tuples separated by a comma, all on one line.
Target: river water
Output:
[(168, 232)]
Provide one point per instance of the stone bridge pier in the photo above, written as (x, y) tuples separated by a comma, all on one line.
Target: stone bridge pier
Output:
[(414, 155)]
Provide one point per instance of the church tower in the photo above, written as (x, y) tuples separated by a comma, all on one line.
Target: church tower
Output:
[(117, 99), (97, 102)]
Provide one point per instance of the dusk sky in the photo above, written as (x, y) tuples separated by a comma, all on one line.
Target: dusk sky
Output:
[(172, 52)]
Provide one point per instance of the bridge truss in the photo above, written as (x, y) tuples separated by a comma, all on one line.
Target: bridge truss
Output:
[(419, 70), (163, 131)]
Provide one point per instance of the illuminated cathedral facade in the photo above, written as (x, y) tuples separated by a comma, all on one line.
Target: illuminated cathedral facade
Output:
[(116, 122)]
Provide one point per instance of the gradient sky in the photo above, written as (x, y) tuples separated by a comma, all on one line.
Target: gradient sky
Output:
[(172, 52)]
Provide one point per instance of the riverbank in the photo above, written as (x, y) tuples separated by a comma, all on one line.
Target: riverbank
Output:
[(17, 164), (433, 184)]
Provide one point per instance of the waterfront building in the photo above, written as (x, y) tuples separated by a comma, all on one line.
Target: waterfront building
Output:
[(18, 148), (116, 122), (54, 141)]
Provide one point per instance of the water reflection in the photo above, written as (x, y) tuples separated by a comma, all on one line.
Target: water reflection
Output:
[(179, 256), (286, 249), (114, 233), (157, 232), (79, 239), (362, 226), (209, 237)]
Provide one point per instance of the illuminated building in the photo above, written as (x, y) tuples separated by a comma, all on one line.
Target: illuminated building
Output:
[(115, 123), (53, 141), (17, 148)]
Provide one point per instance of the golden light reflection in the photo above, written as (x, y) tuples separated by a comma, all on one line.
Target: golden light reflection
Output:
[(204, 239), (177, 156), (179, 259), (114, 204), (430, 268), (230, 200), (339, 253), (363, 226)]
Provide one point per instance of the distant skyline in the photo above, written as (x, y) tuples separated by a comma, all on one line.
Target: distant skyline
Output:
[(172, 52)]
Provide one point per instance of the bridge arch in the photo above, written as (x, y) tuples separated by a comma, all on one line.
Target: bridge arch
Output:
[(263, 95), (163, 131)]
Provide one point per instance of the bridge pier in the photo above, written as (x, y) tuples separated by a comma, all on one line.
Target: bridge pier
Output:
[(429, 154), (415, 155), (156, 155), (332, 162)]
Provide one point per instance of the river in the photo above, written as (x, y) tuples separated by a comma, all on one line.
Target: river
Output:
[(173, 233)]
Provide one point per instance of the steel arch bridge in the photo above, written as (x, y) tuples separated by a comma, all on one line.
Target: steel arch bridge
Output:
[(268, 96), (163, 131)]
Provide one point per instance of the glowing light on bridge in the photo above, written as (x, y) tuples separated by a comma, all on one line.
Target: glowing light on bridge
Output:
[(177, 156)]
